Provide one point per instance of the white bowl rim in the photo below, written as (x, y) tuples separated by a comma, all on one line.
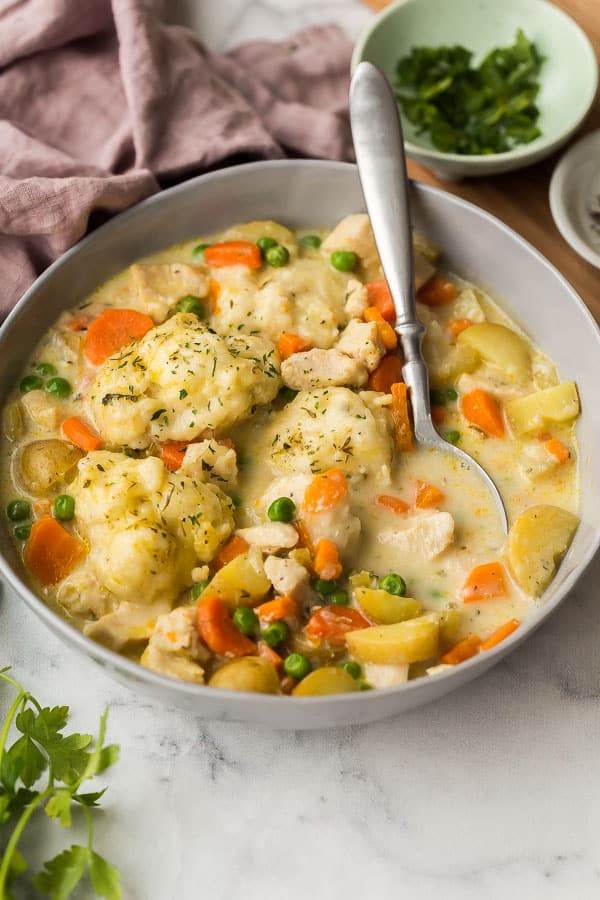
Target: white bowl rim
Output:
[(112, 659), (480, 160), (556, 193)]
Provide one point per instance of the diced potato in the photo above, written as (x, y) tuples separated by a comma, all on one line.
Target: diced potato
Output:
[(499, 345), (252, 231), (406, 642), (242, 582), (42, 464), (384, 676), (13, 421), (362, 579), (554, 404), (537, 541), (385, 608), (328, 680), (249, 673)]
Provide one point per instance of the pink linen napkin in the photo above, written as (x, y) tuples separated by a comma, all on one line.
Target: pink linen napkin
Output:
[(100, 104)]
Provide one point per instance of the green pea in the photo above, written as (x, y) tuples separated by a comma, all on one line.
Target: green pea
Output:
[(451, 395), (191, 304), (64, 508), (198, 588), (364, 686), (352, 668), (393, 584), (344, 260), (265, 243), (282, 510), (437, 397), (30, 383), (246, 620), (275, 633), (237, 500), (18, 510), (58, 387), (45, 369), (288, 394), (453, 437), (324, 587), (22, 532), (198, 251), (339, 598), (311, 240), (297, 665), (277, 256)]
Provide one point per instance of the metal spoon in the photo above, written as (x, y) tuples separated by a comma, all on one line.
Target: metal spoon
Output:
[(379, 147)]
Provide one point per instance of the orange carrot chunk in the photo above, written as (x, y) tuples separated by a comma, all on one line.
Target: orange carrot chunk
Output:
[(379, 296), (80, 434), (288, 344), (482, 410), (235, 546), (326, 562), (501, 633), (218, 632), (558, 449), (332, 623), (233, 253), (388, 336), (172, 453), (112, 330), (279, 608), (325, 491), (465, 649), (387, 373), (437, 292), (401, 418), (215, 293), (269, 653), (486, 582), (51, 552), (438, 414), (456, 326), (394, 504), (427, 495)]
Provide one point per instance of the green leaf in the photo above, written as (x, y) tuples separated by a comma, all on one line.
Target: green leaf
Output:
[(59, 806), (62, 874), (90, 799), (106, 880), (101, 757), (108, 756), (69, 757), (42, 725), (30, 761)]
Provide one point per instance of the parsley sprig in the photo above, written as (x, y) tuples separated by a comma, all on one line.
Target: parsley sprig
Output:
[(65, 761)]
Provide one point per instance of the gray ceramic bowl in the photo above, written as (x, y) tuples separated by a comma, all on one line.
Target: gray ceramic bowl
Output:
[(302, 194)]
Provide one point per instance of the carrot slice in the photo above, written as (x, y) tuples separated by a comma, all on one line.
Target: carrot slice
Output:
[(172, 453), (387, 373), (325, 491), (456, 326), (218, 632), (51, 552), (558, 449), (394, 504), (437, 292), (379, 296), (233, 253), (80, 434), (465, 649), (113, 329), (288, 344), (269, 653), (279, 608), (304, 536), (400, 416), (483, 410), (332, 623), (486, 582), (326, 562), (388, 336), (215, 293), (501, 633), (427, 495), (438, 414), (235, 546)]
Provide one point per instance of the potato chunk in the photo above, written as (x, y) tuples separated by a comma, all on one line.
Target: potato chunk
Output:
[(395, 645), (242, 582), (537, 541), (43, 464), (328, 680), (250, 673), (384, 608), (554, 404), (499, 345)]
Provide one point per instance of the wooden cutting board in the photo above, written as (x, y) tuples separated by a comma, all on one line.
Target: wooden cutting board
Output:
[(521, 198)]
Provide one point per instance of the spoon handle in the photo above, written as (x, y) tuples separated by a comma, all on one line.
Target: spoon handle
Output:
[(379, 148)]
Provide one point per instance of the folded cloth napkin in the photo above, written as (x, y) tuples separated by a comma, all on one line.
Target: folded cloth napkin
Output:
[(100, 104)]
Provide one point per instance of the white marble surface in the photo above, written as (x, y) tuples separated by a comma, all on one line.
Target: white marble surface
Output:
[(492, 792)]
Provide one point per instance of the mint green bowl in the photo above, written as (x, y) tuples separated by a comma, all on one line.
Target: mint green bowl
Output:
[(569, 76)]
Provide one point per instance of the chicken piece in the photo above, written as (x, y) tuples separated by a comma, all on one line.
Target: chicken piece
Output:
[(336, 524), (537, 460), (361, 341), (322, 368), (175, 648), (286, 575), (357, 299), (426, 535), (128, 623), (467, 306), (490, 382), (81, 594), (42, 409), (210, 461), (444, 359), (200, 573), (382, 676), (270, 537), (160, 286)]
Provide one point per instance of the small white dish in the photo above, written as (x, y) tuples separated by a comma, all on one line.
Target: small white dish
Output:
[(575, 197)]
